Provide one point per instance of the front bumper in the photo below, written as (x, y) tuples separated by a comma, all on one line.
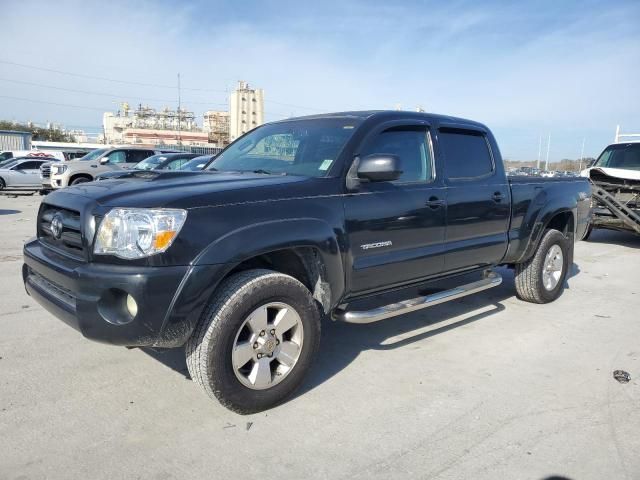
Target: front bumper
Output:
[(91, 297)]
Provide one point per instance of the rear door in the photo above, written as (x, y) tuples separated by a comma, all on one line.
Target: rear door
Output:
[(396, 229), (478, 199)]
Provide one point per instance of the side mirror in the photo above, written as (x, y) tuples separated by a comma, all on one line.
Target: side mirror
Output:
[(379, 168), (104, 160)]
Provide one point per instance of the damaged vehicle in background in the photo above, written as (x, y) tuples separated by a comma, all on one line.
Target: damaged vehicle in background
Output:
[(616, 188)]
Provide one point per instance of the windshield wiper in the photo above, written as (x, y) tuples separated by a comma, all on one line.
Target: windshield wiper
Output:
[(266, 172)]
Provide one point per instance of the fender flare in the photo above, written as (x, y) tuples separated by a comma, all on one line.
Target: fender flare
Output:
[(550, 210), (253, 240)]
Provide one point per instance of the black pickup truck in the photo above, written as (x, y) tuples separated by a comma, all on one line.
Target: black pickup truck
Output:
[(297, 221)]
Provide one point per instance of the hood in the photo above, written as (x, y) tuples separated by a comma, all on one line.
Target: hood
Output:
[(613, 172), (183, 189)]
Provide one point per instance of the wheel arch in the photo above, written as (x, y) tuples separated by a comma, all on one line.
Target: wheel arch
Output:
[(305, 248), (558, 218), (80, 175)]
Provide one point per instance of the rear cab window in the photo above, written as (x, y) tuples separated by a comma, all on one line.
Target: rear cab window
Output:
[(467, 155)]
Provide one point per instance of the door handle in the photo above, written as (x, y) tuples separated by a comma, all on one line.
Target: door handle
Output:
[(497, 197), (434, 203)]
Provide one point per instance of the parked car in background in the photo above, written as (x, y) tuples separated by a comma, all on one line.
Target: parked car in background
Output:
[(9, 154), (197, 163), (22, 172), (163, 161), (99, 161)]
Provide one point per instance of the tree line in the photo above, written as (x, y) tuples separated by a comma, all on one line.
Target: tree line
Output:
[(50, 134), (564, 165)]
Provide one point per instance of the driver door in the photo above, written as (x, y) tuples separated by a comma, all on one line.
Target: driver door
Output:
[(27, 173), (396, 230), (116, 160)]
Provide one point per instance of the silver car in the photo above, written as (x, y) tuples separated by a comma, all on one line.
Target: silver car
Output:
[(22, 173)]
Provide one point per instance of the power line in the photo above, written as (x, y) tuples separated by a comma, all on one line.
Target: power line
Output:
[(141, 84), (111, 95), (52, 103), (114, 80)]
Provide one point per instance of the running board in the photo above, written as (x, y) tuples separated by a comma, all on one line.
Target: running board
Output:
[(490, 279)]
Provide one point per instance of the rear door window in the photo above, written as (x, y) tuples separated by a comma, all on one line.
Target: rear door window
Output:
[(135, 156), (466, 154)]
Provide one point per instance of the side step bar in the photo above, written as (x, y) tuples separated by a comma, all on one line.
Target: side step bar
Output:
[(490, 279)]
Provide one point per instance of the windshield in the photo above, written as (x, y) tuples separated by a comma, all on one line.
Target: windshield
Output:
[(9, 164), (197, 163), (298, 147), (151, 162), (94, 155), (625, 156)]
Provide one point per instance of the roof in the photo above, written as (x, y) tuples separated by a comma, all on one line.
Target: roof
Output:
[(16, 132), (388, 115)]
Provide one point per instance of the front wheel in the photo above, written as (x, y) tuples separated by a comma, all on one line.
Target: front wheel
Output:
[(541, 278), (2, 184), (255, 341), (79, 180)]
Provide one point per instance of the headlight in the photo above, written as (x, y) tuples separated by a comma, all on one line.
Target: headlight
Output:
[(59, 169), (138, 232)]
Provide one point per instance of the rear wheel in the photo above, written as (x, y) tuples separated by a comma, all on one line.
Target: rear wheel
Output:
[(541, 278), (255, 341), (2, 184)]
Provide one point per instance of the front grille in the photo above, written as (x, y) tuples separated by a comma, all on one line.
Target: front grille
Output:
[(69, 237), (45, 170)]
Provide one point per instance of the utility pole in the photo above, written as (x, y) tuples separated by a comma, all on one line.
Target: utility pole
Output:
[(179, 118), (546, 166), (539, 151), (581, 154)]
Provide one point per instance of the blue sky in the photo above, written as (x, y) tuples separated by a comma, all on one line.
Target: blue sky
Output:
[(566, 68)]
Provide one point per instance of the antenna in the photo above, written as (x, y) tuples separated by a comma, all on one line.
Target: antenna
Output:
[(581, 154), (539, 151), (617, 134), (179, 119), (546, 165)]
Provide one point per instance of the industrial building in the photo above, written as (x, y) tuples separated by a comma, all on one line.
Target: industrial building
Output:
[(148, 126), (246, 110), (14, 140), (216, 124)]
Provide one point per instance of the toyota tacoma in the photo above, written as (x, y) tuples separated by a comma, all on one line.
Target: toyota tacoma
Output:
[(336, 217)]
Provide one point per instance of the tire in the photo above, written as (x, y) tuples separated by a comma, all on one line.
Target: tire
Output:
[(530, 275), (2, 184), (210, 358), (588, 233), (78, 180)]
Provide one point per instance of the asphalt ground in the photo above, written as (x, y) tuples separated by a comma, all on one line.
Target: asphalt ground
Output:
[(487, 387)]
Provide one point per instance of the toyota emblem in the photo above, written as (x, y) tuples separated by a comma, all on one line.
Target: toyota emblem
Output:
[(56, 227)]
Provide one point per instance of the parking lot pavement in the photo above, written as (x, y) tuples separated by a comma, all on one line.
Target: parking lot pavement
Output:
[(488, 387)]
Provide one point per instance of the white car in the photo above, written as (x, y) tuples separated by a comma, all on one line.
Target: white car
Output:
[(22, 172), (99, 161)]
